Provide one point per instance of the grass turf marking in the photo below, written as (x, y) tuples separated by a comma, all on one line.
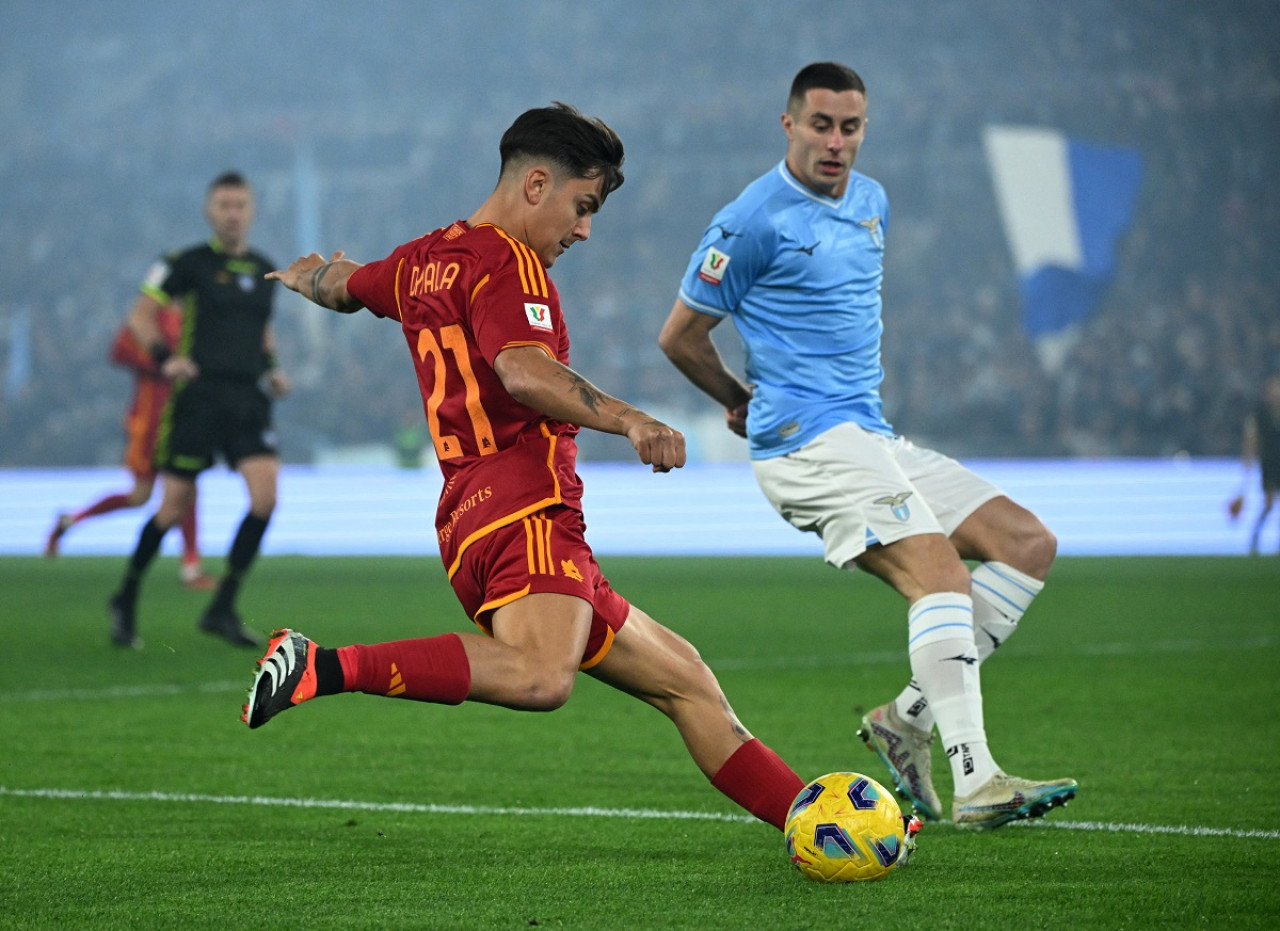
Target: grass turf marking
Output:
[(584, 812)]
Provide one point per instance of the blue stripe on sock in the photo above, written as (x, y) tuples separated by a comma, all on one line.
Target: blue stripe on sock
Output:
[(927, 630), (1009, 601)]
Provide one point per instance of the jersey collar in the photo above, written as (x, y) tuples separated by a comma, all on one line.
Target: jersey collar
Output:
[(794, 183)]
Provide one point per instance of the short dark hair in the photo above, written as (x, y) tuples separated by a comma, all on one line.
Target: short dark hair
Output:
[(230, 178), (582, 146), (828, 75)]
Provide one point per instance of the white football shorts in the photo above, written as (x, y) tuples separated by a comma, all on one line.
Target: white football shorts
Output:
[(855, 488)]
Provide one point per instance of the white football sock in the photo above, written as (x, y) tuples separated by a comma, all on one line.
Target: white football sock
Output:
[(944, 664), (1001, 595)]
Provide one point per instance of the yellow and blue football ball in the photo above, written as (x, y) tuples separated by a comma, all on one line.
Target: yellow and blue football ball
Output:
[(846, 827)]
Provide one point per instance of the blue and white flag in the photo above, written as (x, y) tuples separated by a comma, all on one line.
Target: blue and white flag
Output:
[(1064, 205), (18, 374)]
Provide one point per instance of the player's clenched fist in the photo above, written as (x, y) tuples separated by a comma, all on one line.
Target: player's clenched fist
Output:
[(658, 445)]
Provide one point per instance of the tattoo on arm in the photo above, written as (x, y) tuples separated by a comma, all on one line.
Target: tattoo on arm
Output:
[(588, 394), (317, 277), (628, 409)]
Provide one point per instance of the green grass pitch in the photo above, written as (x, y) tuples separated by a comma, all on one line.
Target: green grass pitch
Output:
[(131, 796)]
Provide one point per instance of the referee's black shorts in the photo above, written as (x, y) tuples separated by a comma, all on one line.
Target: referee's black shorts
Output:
[(208, 417)]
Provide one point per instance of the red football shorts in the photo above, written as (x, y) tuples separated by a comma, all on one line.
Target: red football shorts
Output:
[(544, 552)]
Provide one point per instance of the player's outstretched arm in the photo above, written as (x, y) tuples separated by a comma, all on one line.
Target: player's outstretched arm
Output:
[(321, 281), (538, 381), (686, 341)]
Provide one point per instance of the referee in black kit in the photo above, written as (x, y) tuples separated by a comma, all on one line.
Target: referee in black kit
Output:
[(224, 361)]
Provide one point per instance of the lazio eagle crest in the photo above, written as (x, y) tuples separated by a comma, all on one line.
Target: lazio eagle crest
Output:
[(872, 226), (897, 504)]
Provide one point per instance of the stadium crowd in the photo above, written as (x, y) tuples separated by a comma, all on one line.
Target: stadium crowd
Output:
[(1167, 364)]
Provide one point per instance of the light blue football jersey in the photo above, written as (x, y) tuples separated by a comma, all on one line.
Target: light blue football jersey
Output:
[(799, 273)]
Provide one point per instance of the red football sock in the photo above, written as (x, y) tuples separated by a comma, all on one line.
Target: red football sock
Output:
[(433, 669), (190, 544), (105, 506), (757, 779)]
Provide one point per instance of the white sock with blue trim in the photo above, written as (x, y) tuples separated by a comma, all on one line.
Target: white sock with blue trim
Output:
[(944, 665), (1001, 595)]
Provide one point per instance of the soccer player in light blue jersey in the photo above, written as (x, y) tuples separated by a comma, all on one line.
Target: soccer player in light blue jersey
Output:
[(796, 261)]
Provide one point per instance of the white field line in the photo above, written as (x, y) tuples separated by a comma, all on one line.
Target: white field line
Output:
[(346, 805), (726, 665), (1115, 828), (155, 690), (585, 812)]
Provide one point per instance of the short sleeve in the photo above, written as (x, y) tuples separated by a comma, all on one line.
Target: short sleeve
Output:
[(374, 284), (504, 314), (166, 279), (733, 253)]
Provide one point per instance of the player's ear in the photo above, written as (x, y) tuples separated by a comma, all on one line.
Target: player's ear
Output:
[(537, 181)]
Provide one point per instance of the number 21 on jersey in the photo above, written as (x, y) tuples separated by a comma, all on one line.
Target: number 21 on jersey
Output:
[(454, 341)]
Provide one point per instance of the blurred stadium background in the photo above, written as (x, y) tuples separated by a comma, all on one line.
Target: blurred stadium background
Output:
[(362, 125)]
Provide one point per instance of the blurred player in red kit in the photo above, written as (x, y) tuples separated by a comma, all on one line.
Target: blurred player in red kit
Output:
[(141, 421)]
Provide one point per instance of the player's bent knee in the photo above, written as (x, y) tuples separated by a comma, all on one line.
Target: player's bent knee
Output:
[(545, 691), (1046, 547), (1037, 549), (262, 502), (693, 681)]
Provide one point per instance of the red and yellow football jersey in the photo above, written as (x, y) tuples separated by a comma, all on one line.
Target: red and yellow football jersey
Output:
[(151, 390), (462, 295)]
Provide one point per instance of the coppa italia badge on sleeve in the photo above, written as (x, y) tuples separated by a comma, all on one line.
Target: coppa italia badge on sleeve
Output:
[(713, 266), (539, 316)]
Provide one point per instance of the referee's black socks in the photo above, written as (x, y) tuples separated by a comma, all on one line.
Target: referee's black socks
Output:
[(243, 551)]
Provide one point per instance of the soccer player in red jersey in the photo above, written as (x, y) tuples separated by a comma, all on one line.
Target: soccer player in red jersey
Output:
[(141, 421), (488, 340)]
